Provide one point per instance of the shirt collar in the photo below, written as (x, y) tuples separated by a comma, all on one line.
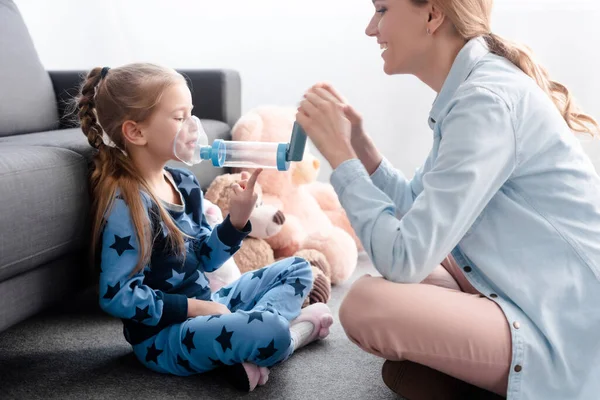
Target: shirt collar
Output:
[(472, 52)]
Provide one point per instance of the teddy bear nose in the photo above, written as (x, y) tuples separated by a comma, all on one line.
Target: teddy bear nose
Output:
[(279, 218)]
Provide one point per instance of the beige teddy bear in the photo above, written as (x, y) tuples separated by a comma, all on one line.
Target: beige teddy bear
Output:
[(267, 221), (314, 217)]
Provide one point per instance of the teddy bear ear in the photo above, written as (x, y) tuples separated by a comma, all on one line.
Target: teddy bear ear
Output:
[(248, 128)]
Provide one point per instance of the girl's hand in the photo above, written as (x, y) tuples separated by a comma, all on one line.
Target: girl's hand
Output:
[(198, 308), (243, 199), (323, 118)]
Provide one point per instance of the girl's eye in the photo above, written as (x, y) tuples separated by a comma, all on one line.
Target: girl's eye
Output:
[(179, 119), (382, 10)]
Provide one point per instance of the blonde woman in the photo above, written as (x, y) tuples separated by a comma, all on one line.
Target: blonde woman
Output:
[(507, 202)]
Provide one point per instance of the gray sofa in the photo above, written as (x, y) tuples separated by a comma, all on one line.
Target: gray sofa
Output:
[(44, 164)]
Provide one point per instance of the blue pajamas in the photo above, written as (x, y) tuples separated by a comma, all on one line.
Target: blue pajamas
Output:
[(152, 303), (262, 304)]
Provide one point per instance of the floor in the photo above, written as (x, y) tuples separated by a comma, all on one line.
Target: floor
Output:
[(77, 352)]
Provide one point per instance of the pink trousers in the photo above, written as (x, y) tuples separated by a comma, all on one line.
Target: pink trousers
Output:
[(443, 323)]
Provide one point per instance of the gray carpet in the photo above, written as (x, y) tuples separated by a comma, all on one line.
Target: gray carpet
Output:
[(77, 352)]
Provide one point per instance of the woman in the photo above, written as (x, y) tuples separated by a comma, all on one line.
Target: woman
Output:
[(506, 201)]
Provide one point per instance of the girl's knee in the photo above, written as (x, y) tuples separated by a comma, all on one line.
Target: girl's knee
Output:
[(273, 345)]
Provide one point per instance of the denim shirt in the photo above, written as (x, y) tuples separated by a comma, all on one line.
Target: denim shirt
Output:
[(509, 192)]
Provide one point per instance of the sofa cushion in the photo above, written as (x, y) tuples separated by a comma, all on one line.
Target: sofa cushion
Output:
[(27, 99), (44, 206), (73, 139)]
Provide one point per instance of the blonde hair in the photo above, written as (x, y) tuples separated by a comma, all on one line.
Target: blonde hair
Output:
[(105, 102), (471, 19)]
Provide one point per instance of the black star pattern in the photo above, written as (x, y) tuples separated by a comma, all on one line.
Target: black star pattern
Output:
[(141, 314), (214, 316), (280, 278), (216, 363), (224, 339), (258, 273), (153, 353), (298, 287), (267, 352), (224, 292), (188, 340), (184, 363), (111, 291), (255, 315), (205, 250), (232, 250), (236, 301), (121, 244)]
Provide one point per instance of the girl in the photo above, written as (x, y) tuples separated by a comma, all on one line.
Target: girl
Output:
[(507, 202), (154, 243)]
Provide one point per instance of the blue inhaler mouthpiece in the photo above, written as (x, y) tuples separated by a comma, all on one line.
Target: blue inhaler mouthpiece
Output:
[(295, 149)]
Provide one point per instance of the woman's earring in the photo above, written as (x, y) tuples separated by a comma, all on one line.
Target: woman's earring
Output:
[(428, 31)]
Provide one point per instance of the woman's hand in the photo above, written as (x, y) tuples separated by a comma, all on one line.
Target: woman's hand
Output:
[(198, 308), (355, 118), (243, 199), (323, 118), (361, 143)]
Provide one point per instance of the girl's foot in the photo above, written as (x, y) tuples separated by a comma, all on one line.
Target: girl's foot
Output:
[(247, 376), (313, 323)]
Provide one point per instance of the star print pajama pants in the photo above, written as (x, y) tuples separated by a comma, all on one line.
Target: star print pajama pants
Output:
[(262, 303)]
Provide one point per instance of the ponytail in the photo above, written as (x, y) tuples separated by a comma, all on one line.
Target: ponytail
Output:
[(523, 58), (113, 170)]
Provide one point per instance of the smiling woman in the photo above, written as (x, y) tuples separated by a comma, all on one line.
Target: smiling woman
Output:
[(462, 308)]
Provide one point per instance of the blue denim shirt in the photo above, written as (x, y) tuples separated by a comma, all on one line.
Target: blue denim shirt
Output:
[(509, 192)]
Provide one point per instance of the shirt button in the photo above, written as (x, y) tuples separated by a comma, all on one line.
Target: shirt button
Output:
[(467, 269), (516, 324), (518, 368), (493, 295)]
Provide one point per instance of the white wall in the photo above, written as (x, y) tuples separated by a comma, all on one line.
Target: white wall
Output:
[(281, 47)]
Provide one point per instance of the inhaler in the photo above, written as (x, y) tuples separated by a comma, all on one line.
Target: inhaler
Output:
[(191, 147)]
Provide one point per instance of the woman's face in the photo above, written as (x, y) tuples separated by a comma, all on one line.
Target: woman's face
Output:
[(400, 28)]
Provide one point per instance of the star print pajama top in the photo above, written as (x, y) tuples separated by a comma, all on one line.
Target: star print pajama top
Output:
[(153, 303)]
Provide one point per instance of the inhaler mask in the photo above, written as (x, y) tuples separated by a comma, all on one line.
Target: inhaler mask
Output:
[(189, 141)]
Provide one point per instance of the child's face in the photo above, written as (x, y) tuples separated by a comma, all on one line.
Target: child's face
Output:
[(160, 129)]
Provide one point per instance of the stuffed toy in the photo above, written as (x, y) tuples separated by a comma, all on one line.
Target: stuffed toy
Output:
[(229, 271), (255, 251), (314, 218)]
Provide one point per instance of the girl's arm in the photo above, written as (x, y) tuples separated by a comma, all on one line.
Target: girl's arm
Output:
[(213, 245), (123, 295)]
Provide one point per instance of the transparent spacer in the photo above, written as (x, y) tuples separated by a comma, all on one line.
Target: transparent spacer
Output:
[(191, 147)]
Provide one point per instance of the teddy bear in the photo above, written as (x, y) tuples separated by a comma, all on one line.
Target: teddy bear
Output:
[(255, 252), (314, 217)]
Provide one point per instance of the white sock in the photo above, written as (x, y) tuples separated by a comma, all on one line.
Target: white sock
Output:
[(301, 333)]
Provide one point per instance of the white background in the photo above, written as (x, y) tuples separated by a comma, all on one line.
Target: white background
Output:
[(281, 47)]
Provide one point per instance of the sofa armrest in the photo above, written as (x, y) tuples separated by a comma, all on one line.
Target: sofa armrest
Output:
[(216, 94)]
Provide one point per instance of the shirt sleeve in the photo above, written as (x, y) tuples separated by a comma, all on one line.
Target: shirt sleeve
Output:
[(393, 183), (477, 154), (213, 246), (122, 294)]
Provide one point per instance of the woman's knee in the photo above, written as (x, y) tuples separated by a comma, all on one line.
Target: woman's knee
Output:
[(354, 309)]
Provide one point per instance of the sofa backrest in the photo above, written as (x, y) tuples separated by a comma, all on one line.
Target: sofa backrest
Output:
[(27, 99)]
